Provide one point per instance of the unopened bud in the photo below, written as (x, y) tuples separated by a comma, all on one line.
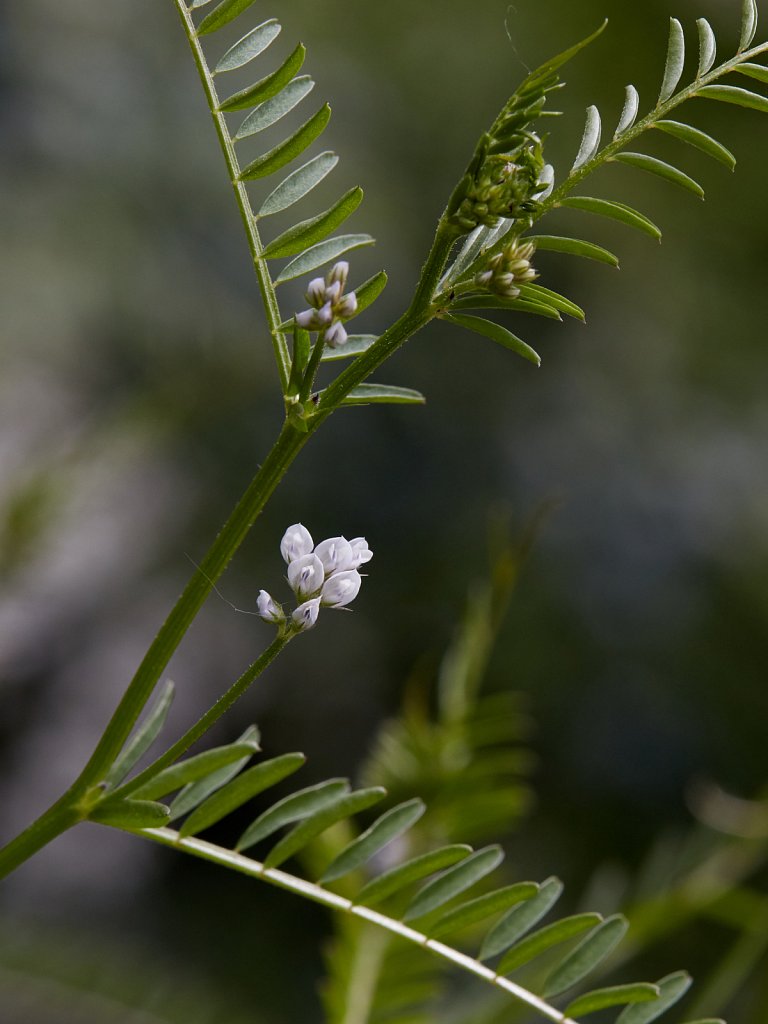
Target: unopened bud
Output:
[(315, 294), (347, 306), (305, 616), (339, 272), (269, 609), (336, 335), (297, 541)]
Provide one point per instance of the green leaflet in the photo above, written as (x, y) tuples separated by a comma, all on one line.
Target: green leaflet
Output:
[(143, 737), (484, 906), (673, 69), (355, 345), (699, 139), (520, 919), (587, 955), (662, 169), (292, 808), (629, 111), (707, 46), (540, 293), (617, 995), (756, 71), (574, 247), (386, 828), (733, 94), (541, 74), (320, 254), (316, 824), (616, 211), (267, 87), (485, 301), (414, 870), (237, 792), (551, 935), (222, 15), (308, 232), (130, 814), (367, 293), (194, 793), (251, 45), (748, 23), (672, 988), (288, 150), (454, 881), (590, 142), (496, 333), (271, 111), (298, 184), (197, 767), (386, 394)]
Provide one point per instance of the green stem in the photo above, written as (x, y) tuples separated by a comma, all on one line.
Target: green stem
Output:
[(312, 367), (212, 715)]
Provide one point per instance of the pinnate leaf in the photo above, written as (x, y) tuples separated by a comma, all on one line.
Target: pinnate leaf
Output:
[(496, 333), (587, 955), (237, 792), (309, 232), (298, 183), (662, 169), (267, 87), (617, 995), (343, 807), (521, 919), (251, 45), (294, 807), (288, 150), (320, 254), (144, 736), (397, 878), (454, 881), (551, 935), (271, 111), (386, 828)]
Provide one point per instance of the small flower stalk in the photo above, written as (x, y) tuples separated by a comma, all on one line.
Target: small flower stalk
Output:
[(508, 269), (330, 307), (322, 576)]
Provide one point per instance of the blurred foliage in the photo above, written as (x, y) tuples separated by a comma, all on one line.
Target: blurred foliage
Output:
[(639, 635)]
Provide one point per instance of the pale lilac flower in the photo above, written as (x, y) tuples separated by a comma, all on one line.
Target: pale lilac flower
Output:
[(361, 553), (315, 294), (339, 272), (336, 336), (306, 575), (335, 554), (341, 589), (305, 616), (297, 541), (269, 609), (306, 319)]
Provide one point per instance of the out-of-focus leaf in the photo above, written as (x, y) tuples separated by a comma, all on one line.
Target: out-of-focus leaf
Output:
[(521, 919), (143, 738), (587, 955), (617, 995), (367, 292), (355, 345), (131, 814), (672, 988)]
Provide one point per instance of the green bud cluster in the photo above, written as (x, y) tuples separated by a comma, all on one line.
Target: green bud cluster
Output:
[(508, 269)]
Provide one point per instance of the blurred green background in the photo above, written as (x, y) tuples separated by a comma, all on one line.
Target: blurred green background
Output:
[(137, 396)]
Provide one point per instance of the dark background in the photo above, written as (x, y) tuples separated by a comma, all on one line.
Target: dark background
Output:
[(137, 396)]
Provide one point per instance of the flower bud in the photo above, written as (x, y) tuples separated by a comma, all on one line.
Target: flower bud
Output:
[(306, 319), (315, 294), (341, 589), (306, 576), (336, 335), (324, 316), (333, 292), (347, 306), (305, 616), (269, 609), (361, 553), (339, 273), (297, 541), (336, 555)]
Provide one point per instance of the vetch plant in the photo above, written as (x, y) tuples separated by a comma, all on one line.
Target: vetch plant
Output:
[(481, 259)]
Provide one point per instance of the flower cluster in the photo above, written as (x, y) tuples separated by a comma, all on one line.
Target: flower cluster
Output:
[(329, 305), (508, 269), (505, 185), (323, 576)]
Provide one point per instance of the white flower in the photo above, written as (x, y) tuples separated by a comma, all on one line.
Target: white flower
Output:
[(269, 609), (305, 616), (339, 272), (361, 553), (306, 575), (335, 336), (306, 319), (341, 588), (336, 554), (297, 541), (315, 294)]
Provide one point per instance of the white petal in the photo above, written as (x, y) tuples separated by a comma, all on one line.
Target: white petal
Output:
[(361, 553), (306, 575), (335, 554), (268, 608), (341, 588), (336, 336), (297, 541), (305, 616)]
